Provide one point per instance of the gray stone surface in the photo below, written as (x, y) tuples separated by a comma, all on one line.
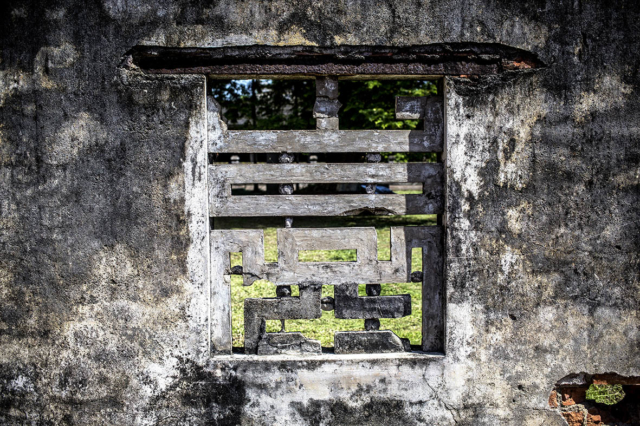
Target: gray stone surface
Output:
[(367, 342), (330, 123), (104, 295), (410, 107), (287, 343), (326, 108), (327, 87)]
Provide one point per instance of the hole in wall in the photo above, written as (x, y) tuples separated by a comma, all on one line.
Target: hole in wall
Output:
[(598, 399), (368, 104)]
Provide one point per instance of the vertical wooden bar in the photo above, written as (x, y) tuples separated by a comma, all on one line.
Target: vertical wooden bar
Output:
[(433, 293), (441, 157), (325, 110), (219, 285), (433, 284), (220, 298)]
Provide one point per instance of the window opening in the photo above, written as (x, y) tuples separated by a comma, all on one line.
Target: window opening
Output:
[(380, 316)]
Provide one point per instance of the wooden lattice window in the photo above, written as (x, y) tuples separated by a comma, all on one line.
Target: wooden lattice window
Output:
[(287, 204)]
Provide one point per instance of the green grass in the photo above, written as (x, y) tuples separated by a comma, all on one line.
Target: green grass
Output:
[(323, 329)]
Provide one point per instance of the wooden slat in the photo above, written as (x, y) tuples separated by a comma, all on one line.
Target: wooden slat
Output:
[(276, 141), (223, 242), (326, 173), (325, 205), (222, 203), (433, 290), (289, 270)]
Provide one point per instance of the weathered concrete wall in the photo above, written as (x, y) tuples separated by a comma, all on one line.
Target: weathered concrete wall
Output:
[(101, 274)]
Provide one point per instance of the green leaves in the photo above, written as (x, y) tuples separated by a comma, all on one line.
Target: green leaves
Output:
[(371, 104), (288, 104), (605, 394), (266, 104)]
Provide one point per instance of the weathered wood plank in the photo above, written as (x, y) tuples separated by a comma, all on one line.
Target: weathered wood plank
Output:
[(276, 141), (257, 311), (433, 290), (223, 242), (365, 270), (222, 203), (290, 271), (327, 173), (325, 205)]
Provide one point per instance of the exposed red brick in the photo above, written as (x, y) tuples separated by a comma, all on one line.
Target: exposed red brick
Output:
[(593, 419), (573, 418), (598, 417), (518, 64), (572, 396), (553, 399)]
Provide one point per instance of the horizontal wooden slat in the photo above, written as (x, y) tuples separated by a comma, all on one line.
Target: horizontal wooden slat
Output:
[(289, 270), (222, 176), (276, 141), (325, 173), (325, 205)]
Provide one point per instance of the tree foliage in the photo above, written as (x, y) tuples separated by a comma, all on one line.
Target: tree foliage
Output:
[(370, 104), (288, 104), (266, 104)]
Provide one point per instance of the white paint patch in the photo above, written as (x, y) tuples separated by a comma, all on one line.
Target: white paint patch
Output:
[(161, 375), (508, 261), (501, 129), (461, 343), (463, 164)]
